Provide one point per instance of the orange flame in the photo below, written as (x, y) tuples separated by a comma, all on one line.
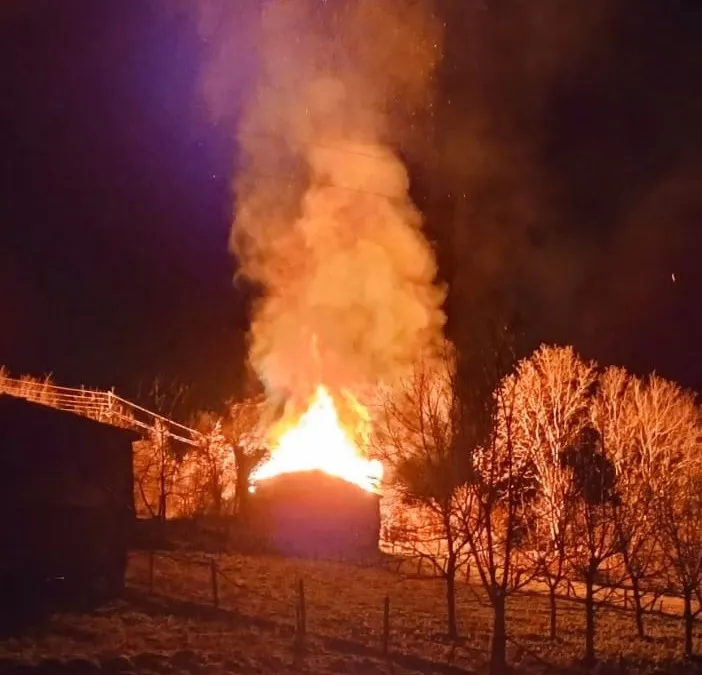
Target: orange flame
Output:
[(318, 441)]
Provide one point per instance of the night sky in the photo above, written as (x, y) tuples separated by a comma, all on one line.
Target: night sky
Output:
[(115, 185), (116, 202)]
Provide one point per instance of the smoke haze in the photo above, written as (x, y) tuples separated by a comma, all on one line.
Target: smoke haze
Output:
[(553, 157), (323, 221)]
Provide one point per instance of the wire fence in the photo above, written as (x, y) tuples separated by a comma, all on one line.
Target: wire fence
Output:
[(321, 601), (292, 607)]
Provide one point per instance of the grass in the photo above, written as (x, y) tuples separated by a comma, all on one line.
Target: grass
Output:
[(254, 624)]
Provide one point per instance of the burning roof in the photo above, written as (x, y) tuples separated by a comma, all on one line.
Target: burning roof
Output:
[(318, 441)]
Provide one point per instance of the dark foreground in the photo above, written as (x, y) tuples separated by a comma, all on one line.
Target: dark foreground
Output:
[(168, 623)]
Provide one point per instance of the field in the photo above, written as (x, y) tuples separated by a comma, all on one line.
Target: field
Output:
[(168, 623)]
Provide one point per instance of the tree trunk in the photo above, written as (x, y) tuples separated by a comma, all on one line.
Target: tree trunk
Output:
[(241, 494), (638, 607), (451, 596), (217, 495), (553, 608), (162, 507), (162, 478), (590, 658), (689, 621), (498, 651), (162, 496)]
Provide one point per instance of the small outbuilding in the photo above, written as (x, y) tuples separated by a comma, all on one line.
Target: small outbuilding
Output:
[(313, 514), (66, 503)]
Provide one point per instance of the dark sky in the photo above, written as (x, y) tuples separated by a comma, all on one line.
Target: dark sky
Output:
[(574, 131), (115, 200), (115, 185)]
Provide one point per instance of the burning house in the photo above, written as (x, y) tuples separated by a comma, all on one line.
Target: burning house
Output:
[(325, 226), (310, 513), (318, 494)]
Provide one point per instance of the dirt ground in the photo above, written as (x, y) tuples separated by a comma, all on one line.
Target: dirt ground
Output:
[(168, 623)]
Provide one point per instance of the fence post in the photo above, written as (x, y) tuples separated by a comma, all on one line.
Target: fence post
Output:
[(301, 614), (151, 572), (386, 625), (213, 574)]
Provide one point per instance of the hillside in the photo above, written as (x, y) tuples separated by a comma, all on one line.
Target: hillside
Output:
[(175, 628)]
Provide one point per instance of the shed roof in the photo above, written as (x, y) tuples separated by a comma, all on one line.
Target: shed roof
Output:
[(22, 419)]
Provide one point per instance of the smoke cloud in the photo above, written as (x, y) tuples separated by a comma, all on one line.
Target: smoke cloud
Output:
[(323, 221), (554, 165)]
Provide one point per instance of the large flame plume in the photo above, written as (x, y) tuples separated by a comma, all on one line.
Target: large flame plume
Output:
[(319, 441), (324, 224)]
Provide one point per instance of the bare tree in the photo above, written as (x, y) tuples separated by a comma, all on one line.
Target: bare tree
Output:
[(554, 388), (207, 473), (497, 513), (676, 482), (593, 543), (156, 468), (146, 482), (167, 466), (215, 475), (160, 457), (418, 441), (242, 427), (637, 429)]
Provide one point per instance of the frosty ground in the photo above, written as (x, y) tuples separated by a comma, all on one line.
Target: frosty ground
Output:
[(170, 624)]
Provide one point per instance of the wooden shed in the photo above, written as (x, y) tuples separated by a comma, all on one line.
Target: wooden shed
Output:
[(66, 502), (313, 514)]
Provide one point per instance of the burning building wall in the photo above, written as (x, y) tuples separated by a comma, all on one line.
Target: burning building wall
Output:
[(318, 494), (311, 513)]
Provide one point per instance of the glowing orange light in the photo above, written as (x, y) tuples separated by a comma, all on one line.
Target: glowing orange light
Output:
[(318, 441)]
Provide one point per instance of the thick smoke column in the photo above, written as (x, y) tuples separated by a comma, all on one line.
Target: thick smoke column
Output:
[(323, 220)]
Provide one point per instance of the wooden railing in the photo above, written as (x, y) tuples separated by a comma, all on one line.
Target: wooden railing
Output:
[(103, 406)]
